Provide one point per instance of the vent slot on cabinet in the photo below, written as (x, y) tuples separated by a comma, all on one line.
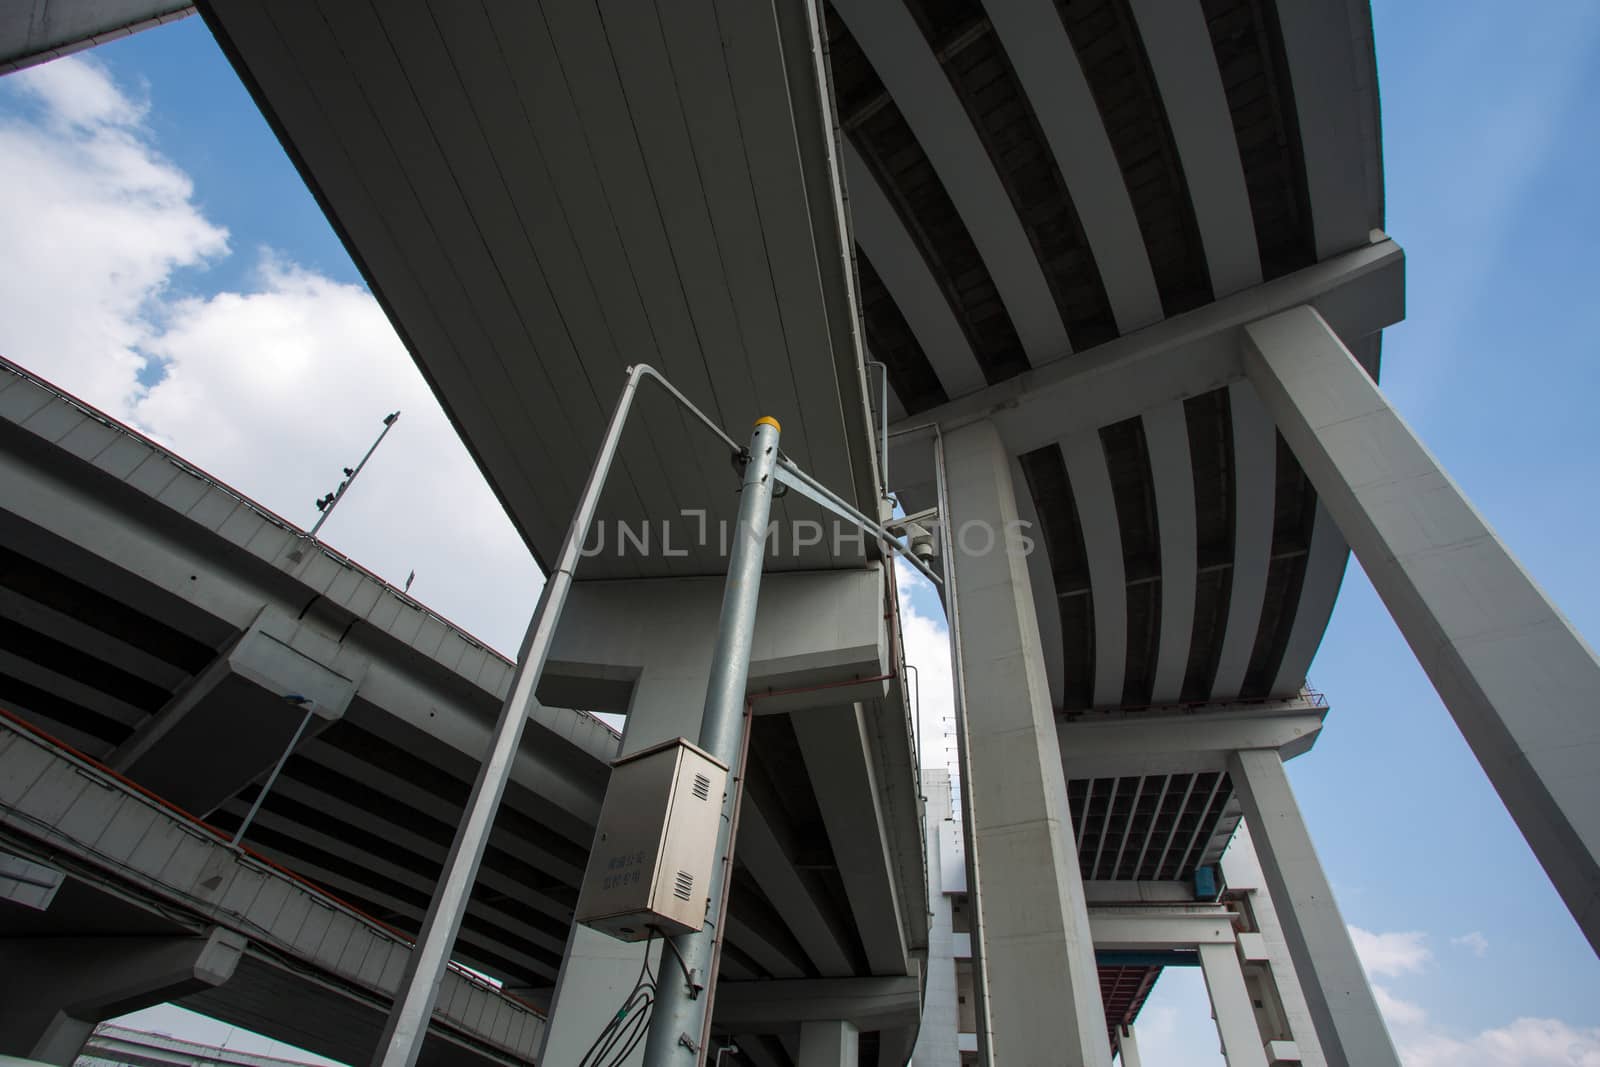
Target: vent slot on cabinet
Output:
[(683, 888), (702, 787)]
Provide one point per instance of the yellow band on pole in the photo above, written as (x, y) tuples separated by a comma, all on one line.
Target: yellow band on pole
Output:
[(768, 420)]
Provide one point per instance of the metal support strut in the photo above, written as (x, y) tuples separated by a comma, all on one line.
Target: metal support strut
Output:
[(679, 1012)]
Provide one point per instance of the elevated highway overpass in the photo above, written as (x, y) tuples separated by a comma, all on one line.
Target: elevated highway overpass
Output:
[(1125, 266), (155, 619)]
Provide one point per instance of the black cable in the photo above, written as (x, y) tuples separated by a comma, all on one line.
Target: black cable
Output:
[(688, 975), (631, 1020)]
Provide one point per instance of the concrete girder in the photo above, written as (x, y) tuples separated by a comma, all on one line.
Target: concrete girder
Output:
[(837, 751), (1255, 470), (1122, 744), (900, 54), (771, 1007), (1184, 64), (893, 253), (1358, 293), (764, 851), (1161, 927), (1166, 434), (57, 807), (56, 989), (42, 30), (401, 837), (241, 711), (382, 869), (647, 644), (1084, 456), (189, 552), (73, 632), (1048, 68)]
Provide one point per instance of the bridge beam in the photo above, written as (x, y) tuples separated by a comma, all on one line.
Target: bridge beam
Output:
[(55, 989), (42, 30), (1518, 679)]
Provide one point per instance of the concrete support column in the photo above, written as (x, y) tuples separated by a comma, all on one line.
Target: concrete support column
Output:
[(1031, 936), (55, 989), (1230, 1003), (833, 1043), (1519, 681), (1128, 1047), (1348, 1023)]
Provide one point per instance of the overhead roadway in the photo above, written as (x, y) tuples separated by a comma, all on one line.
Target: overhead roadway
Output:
[(142, 601), (541, 195), (1056, 215)]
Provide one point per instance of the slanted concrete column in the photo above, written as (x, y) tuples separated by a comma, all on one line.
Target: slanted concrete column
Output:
[(1031, 934), (1230, 1003), (834, 1043), (55, 989), (1348, 1023), (1519, 681), (1128, 1047), (1242, 871)]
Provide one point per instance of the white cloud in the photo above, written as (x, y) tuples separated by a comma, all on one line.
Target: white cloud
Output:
[(273, 390), (1525, 1042), (1474, 941), (1391, 954), (1396, 1011), (94, 223)]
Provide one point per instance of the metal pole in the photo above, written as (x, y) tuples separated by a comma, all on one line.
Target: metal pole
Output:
[(430, 956), (883, 422), (266, 787), (344, 486), (678, 1018)]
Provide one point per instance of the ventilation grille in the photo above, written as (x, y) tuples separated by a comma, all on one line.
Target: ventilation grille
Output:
[(683, 889), (702, 787)]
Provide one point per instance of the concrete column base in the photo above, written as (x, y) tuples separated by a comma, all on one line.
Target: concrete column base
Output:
[(833, 1043), (1230, 1003), (1128, 1047)]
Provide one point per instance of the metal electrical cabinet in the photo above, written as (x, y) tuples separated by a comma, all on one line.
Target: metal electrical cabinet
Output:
[(656, 843)]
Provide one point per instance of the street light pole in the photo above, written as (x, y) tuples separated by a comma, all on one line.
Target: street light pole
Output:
[(677, 1020), (328, 503)]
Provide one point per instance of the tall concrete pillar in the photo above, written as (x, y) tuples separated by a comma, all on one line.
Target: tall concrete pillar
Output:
[(1230, 1003), (1128, 1047), (1348, 1023), (1519, 681), (1242, 872), (53, 990), (1031, 934), (829, 1043)]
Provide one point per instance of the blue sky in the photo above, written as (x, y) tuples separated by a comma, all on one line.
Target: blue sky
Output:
[(1490, 153)]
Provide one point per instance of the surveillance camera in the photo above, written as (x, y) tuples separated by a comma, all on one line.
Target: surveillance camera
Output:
[(920, 541)]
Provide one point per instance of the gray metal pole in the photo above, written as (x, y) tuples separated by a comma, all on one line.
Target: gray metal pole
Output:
[(883, 422), (266, 787), (678, 1018), (430, 956), (344, 486)]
